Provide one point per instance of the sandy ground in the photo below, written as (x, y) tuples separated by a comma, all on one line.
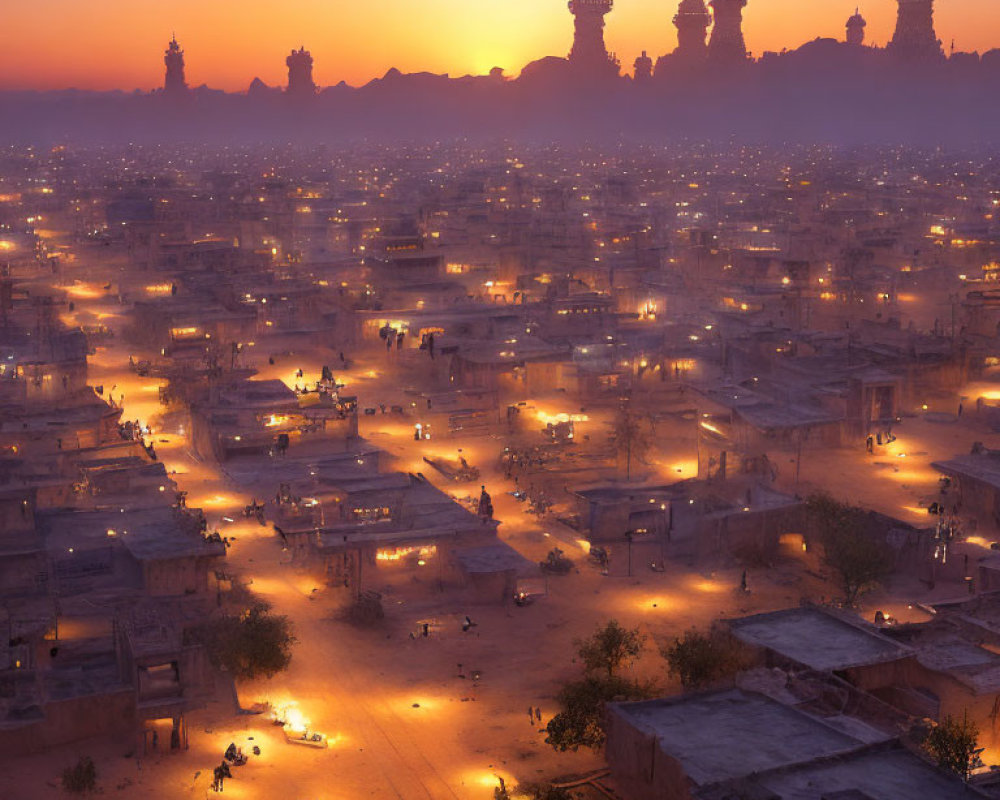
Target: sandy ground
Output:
[(401, 720)]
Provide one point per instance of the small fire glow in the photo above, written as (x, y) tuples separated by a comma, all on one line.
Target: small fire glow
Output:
[(399, 553), (555, 419)]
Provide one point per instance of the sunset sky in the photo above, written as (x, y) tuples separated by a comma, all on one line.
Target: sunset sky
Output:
[(105, 44)]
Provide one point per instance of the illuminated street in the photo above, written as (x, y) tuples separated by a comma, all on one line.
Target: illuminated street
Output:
[(592, 431)]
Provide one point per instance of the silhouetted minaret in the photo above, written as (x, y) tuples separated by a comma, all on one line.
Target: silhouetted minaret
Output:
[(856, 29), (300, 73), (588, 51), (692, 21), (173, 81), (643, 68), (915, 39), (727, 45)]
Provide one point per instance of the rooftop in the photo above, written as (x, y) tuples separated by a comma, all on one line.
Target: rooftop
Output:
[(494, 558), (877, 774), (730, 734), (818, 639), (985, 468)]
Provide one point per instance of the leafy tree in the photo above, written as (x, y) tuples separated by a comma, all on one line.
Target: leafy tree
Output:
[(581, 721), (542, 791), (860, 560), (700, 659), (252, 644), (610, 647), (80, 778), (954, 745)]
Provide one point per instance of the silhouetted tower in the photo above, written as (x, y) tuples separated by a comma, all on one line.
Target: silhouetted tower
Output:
[(300, 73), (173, 58), (856, 29), (915, 39), (692, 21), (727, 45), (643, 68), (588, 50)]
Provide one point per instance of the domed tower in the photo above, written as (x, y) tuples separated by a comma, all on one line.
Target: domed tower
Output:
[(173, 81), (856, 29), (727, 46), (300, 73), (692, 21), (589, 51), (915, 39)]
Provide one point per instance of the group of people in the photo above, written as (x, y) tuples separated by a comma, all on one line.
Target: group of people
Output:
[(391, 337), (284, 496), (255, 510), (131, 430), (518, 460), (880, 438), (111, 396), (427, 343), (538, 501), (326, 385), (233, 757)]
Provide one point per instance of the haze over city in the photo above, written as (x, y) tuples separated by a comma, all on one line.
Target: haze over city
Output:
[(584, 400)]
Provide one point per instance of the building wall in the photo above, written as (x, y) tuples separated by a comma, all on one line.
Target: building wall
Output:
[(639, 765), (175, 577), (112, 713)]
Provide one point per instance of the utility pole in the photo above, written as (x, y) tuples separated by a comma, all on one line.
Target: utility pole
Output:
[(628, 538)]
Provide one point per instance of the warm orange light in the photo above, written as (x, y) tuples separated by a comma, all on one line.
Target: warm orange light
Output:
[(460, 38), (82, 291), (399, 553), (554, 419)]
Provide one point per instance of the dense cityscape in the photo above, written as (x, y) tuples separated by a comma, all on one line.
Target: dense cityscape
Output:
[(325, 462)]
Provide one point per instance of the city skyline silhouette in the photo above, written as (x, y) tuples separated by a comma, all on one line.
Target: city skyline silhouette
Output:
[(112, 45)]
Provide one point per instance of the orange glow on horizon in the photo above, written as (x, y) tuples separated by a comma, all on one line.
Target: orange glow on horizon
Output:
[(117, 44)]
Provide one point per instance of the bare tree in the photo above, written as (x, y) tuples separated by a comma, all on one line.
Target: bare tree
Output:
[(631, 435)]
